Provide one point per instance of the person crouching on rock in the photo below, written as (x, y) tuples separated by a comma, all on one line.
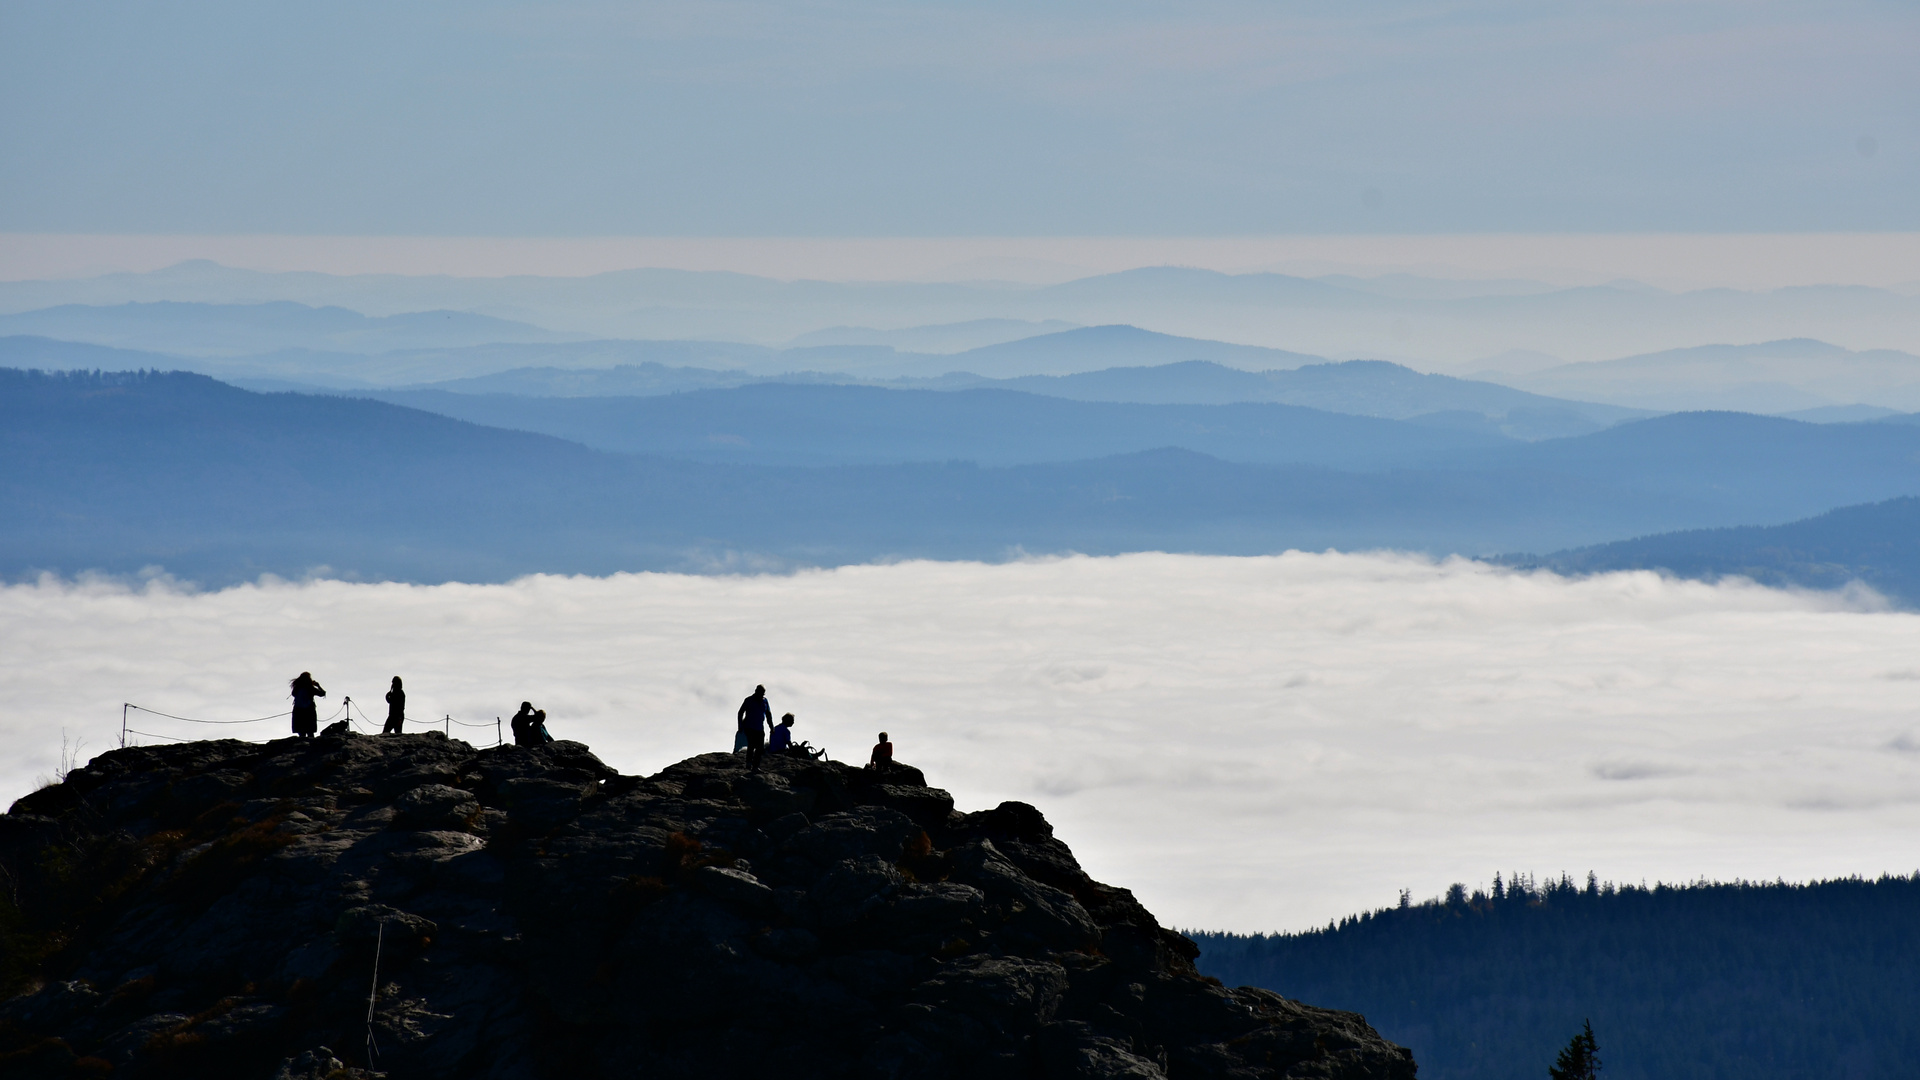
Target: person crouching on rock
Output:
[(306, 719), (754, 718), (396, 709), (782, 739), (882, 757), (530, 726)]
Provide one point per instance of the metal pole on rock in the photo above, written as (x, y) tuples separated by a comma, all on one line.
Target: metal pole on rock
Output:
[(373, 1049)]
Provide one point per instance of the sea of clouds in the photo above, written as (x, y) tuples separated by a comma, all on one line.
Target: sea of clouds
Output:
[(1247, 743)]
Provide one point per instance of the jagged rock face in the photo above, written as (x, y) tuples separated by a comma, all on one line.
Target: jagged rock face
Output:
[(227, 909)]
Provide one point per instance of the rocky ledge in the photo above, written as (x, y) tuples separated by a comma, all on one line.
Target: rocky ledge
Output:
[(409, 905)]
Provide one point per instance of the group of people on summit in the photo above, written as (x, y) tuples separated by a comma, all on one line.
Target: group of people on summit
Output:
[(529, 724), (756, 732)]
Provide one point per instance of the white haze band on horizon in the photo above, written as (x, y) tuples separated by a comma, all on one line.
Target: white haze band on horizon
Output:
[(1250, 744), (1673, 260)]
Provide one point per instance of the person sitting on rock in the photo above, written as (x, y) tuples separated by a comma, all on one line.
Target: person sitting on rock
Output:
[(782, 739), (396, 709), (882, 757), (750, 732), (306, 718)]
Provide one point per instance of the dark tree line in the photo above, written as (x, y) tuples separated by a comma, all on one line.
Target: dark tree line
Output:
[(1745, 980), (1580, 1059)]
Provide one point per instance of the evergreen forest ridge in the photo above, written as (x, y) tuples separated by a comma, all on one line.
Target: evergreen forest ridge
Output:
[(1754, 981)]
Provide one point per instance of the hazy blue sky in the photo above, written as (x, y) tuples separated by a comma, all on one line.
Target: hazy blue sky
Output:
[(862, 118)]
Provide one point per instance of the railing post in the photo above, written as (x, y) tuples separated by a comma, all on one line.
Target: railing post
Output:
[(124, 706)]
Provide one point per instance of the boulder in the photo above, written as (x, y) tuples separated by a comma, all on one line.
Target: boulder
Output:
[(435, 806), (735, 887)]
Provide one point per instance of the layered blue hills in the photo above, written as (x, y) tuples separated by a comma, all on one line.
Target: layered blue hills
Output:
[(235, 329), (120, 472), (1877, 544), (789, 424)]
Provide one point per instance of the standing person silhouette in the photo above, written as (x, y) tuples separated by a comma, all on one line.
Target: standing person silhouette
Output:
[(306, 719), (754, 718), (396, 709), (524, 725)]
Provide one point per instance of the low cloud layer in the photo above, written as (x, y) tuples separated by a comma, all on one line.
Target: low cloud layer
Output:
[(1248, 743)]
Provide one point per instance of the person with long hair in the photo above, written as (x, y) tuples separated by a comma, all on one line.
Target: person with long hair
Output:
[(396, 709), (306, 718)]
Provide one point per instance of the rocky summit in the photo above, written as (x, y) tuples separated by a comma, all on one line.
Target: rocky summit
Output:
[(410, 906)]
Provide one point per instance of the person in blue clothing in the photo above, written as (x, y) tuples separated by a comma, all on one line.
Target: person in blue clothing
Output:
[(782, 739), (754, 718)]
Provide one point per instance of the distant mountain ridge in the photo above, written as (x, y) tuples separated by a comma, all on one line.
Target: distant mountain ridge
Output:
[(1091, 348), (116, 472), (1877, 544), (238, 329), (1360, 387), (1443, 325), (234, 330), (1364, 388), (282, 343), (1771, 377), (945, 338), (776, 423)]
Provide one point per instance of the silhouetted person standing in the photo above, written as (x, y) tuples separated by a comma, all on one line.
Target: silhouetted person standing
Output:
[(882, 756), (306, 718), (396, 709), (754, 718)]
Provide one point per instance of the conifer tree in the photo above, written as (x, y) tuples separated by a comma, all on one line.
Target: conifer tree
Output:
[(1580, 1060)]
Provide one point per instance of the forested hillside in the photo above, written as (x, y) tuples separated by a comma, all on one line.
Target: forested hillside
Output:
[(1704, 982)]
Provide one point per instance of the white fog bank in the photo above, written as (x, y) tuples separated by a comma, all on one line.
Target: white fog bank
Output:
[(1247, 743)]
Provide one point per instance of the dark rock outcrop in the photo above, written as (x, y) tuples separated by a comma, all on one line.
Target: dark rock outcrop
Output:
[(240, 910)]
